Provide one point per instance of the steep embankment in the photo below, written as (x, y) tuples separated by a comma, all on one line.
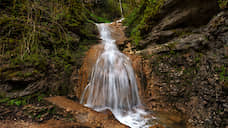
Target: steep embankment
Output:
[(42, 43), (184, 50)]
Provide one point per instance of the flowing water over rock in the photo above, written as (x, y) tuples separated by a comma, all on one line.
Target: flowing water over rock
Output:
[(121, 8), (113, 85)]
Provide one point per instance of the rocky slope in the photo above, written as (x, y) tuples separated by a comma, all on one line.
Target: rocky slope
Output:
[(41, 44), (184, 50)]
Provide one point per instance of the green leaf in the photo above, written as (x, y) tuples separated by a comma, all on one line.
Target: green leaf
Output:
[(11, 102), (18, 103)]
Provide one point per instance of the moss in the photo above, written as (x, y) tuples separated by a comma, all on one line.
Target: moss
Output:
[(141, 20), (135, 35), (37, 35), (3, 100), (28, 74), (99, 19), (21, 101), (11, 74), (68, 69)]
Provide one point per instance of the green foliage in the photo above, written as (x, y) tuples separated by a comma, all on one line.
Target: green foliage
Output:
[(17, 102), (99, 19), (132, 17), (223, 4), (172, 52), (141, 20), (136, 35), (68, 69), (21, 101), (3, 100), (128, 6), (40, 97), (37, 27), (36, 35)]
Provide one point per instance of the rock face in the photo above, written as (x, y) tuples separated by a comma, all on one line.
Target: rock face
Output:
[(179, 13), (187, 69), (178, 16), (185, 61)]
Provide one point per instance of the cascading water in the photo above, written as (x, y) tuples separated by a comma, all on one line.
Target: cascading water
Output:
[(121, 8), (113, 85)]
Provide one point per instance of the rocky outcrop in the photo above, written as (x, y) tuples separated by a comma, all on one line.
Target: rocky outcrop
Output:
[(188, 71), (177, 17), (184, 49), (179, 13)]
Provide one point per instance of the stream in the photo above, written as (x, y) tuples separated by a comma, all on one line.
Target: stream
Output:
[(113, 86)]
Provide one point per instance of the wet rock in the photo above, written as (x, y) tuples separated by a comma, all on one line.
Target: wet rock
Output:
[(85, 70), (85, 115), (118, 33)]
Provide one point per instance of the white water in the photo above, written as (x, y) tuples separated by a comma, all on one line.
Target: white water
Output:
[(113, 85), (121, 8)]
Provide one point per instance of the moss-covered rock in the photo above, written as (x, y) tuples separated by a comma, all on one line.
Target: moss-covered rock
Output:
[(42, 41)]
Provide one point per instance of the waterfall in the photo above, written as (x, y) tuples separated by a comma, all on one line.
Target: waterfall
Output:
[(113, 84), (121, 8)]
